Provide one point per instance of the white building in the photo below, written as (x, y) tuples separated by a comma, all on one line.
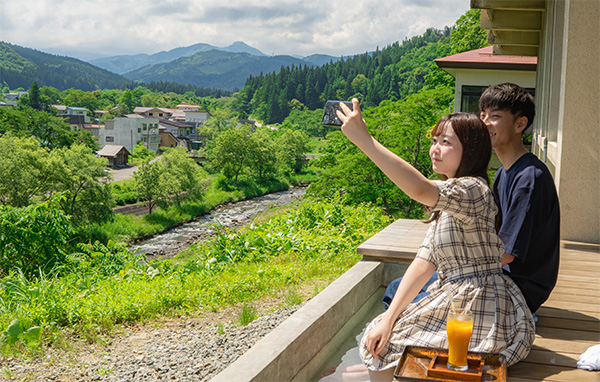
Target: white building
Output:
[(129, 131), (190, 114)]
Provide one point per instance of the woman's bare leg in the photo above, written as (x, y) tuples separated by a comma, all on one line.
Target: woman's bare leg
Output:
[(382, 376)]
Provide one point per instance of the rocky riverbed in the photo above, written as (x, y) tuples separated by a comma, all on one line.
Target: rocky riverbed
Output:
[(235, 214)]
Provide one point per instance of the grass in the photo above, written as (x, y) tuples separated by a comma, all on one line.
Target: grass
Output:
[(248, 313), (304, 247)]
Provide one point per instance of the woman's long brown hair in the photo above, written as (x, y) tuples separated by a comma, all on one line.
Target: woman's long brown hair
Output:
[(476, 144)]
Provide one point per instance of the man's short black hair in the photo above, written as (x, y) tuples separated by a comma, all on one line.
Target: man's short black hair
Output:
[(508, 96)]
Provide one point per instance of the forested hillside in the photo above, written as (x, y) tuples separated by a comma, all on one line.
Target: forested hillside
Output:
[(214, 69), (391, 73), (20, 66)]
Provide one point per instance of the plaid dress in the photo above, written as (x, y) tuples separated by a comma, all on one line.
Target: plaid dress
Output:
[(467, 253)]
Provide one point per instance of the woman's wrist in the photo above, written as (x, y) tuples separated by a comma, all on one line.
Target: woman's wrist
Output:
[(388, 318)]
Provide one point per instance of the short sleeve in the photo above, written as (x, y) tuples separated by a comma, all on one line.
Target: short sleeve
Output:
[(464, 198), (524, 211), (425, 251)]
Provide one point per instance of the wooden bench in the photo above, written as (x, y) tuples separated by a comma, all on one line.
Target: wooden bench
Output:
[(569, 321)]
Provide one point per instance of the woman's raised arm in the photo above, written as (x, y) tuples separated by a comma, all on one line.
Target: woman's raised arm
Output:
[(405, 176)]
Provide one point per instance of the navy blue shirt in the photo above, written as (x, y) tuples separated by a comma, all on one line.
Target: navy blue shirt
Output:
[(529, 221)]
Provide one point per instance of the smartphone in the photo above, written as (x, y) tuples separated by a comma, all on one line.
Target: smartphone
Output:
[(330, 118)]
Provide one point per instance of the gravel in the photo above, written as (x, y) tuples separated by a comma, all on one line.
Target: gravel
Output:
[(177, 350)]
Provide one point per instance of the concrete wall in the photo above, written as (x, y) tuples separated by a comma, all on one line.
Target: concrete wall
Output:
[(568, 97), (299, 348)]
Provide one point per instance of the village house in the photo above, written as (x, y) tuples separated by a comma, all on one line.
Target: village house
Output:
[(190, 114), (154, 112), (247, 122), (12, 98), (117, 155), (185, 134), (130, 130)]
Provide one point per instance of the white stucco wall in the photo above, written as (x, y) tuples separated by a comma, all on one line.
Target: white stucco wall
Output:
[(125, 132), (482, 77)]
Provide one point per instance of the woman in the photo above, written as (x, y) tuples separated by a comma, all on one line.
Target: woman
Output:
[(461, 245)]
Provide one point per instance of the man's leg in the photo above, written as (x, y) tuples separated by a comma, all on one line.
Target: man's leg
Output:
[(391, 289)]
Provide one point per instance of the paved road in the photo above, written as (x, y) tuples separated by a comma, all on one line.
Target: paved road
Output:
[(125, 172), (122, 173)]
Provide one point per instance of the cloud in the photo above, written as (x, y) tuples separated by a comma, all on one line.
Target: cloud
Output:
[(306, 27)]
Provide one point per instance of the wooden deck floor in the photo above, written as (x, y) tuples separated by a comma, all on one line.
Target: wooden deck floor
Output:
[(569, 321)]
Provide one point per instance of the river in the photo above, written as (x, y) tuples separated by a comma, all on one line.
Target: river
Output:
[(171, 242)]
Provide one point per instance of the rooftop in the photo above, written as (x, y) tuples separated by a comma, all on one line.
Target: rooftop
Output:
[(485, 59)]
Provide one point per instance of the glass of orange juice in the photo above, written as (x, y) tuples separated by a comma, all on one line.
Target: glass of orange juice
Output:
[(459, 327)]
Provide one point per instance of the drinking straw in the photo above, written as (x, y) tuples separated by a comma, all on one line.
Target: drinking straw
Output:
[(468, 308), (451, 296)]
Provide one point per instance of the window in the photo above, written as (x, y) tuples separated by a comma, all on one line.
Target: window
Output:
[(109, 139), (139, 129), (469, 101), (144, 126), (151, 114)]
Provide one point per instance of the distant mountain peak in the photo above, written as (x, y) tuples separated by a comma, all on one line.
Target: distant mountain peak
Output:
[(242, 47), (126, 63)]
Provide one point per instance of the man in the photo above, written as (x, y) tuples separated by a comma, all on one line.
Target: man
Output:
[(529, 216)]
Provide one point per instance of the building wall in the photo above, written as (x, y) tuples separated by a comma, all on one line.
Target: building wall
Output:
[(481, 77), (129, 131), (568, 97), (196, 116)]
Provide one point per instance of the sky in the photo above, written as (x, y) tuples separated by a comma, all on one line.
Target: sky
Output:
[(88, 29)]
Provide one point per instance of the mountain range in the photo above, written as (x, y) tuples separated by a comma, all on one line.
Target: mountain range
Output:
[(201, 65), (204, 65), (127, 63)]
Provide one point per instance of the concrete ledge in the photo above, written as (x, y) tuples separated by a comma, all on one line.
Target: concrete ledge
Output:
[(290, 350)]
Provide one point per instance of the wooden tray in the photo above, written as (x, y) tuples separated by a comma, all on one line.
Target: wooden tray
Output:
[(416, 361), (438, 368)]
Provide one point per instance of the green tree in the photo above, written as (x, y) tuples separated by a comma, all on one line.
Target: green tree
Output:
[(50, 95), (308, 121), (263, 158), (51, 132), (87, 199), (140, 153), (148, 185), (34, 97), (127, 103), (80, 98), (181, 175), (232, 152), (467, 34), (26, 170), (221, 120), (291, 146)]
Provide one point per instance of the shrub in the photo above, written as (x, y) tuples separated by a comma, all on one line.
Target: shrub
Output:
[(33, 238)]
